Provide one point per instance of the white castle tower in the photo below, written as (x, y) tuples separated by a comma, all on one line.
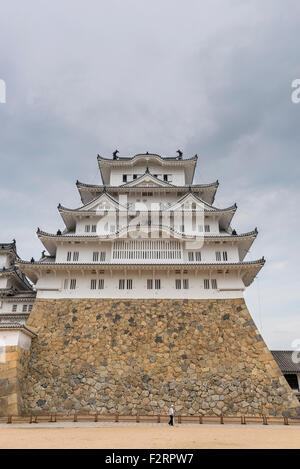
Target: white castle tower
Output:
[(146, 232)]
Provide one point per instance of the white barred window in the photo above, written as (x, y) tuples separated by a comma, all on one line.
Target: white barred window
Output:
[(73, 284), (185, 283), (102, 256), (198, 256), (101, 283), (30, 308), (24, 309), (206, 283), (225, 256), (69, 256), (87, 228), (121, 284), (157, 284), (129, 284), (14, 308), (207, 228), (191, 256), (93, 284), (214, 283), (75, 256), (95, 256), (149, 284), (94, 228), (178, 284), (218, 256)]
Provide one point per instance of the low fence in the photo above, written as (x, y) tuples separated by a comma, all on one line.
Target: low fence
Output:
[(179, 419)]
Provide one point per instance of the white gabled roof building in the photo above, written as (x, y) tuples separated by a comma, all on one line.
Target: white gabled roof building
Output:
[(146, 232), (16, 292)]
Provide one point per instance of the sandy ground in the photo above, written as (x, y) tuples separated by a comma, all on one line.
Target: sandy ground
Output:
[(142, 436)]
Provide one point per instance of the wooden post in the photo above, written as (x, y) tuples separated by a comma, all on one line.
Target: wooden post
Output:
[(221, 420), (96, 417), (158, 419), (116, 418), (200, 419), (9, 419), (75, 418)]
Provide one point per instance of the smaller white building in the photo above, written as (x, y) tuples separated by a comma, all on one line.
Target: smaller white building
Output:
[(16, 292)]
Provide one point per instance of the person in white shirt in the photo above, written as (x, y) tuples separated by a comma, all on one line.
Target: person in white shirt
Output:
[(171, 414)]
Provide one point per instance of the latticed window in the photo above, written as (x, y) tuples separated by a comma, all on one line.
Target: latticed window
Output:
[(24, 309), (30, 308), (72, 283), (149, 284), (102, 256), (178, 284), (225, 256), (94, 228), (69, 256), (218, 256), (191, 256), (214, 283), (101, 283), (157, 284), (198, 256), (147, 250), (95, 256), (206, 283), (121, 284), (87, 228), (93, 284), (185, 283), (207, 228), (14, 308), (129, 284), (75, 256)]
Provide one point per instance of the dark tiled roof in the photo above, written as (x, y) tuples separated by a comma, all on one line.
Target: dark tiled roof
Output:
[(285, 361)]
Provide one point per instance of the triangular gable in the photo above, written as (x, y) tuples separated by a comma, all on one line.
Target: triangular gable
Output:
[(102, 202), (147, 179), (190, 199)]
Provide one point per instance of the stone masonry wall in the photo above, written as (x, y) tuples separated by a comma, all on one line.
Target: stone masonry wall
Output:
[(140, 356), (12, 372)]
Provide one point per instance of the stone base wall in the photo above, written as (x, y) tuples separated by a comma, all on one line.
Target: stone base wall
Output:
[(13, 368), (140, 356)]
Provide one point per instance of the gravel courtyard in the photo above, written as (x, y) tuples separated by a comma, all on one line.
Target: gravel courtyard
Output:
[(147, 436)]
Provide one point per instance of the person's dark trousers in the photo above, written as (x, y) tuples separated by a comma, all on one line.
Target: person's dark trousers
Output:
[(171, 420)]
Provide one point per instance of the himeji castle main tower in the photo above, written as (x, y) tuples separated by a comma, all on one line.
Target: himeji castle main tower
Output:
[(147, 232), (140, 302)]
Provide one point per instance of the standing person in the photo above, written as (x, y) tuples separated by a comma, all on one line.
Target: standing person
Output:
[(171, 414)]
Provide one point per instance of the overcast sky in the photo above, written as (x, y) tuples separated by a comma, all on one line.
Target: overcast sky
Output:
[(209, 77)]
